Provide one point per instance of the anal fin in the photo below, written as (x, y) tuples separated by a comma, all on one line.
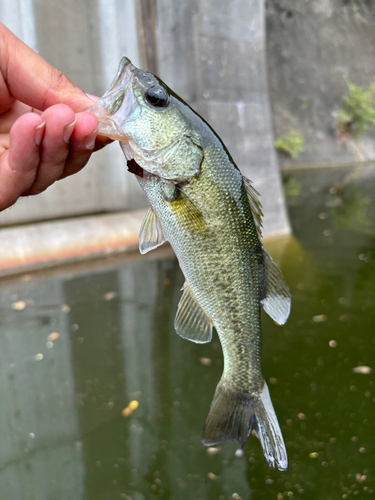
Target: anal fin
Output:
[(191, 322)]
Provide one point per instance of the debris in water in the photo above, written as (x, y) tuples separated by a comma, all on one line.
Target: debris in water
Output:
[(65, 308), (332, 343), (319, 318), (133, 405), (213, 451), (360, 478), (239, 452), (110, 295), (314, 454), (53, 336), (212, 476), (206, 361), (19, 305), (365, 370), (38, 357)]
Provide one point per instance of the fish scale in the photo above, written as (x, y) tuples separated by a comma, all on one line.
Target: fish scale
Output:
[(208, 260), (211, 216)]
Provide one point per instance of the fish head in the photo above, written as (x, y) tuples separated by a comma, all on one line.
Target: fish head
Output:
[(151, 123)]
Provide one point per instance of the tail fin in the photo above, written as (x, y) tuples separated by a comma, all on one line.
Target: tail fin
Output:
[(232, 415)]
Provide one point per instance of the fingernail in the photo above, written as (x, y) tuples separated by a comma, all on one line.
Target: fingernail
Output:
[(39, 133), (92, 97), (89, 140), (68, 130)]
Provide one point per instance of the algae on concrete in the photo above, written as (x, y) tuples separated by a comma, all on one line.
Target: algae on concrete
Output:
[(291, 143), (357, 112)]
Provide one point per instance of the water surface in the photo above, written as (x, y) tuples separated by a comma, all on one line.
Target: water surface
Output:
[(81, 347)]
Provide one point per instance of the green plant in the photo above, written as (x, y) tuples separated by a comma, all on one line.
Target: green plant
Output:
[(357, 111), (291, 143)]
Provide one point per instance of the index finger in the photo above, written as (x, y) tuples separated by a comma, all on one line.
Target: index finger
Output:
[(33, 81)]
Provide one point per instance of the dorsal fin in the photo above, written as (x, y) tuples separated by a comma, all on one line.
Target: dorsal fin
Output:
[(277, 300), (255, 205), (151, 234)]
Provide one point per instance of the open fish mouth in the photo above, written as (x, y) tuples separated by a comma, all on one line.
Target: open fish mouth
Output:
[(117, 105)]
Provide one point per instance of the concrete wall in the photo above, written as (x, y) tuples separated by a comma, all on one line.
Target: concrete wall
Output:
[(85, 40), (311, 46), (214, 57)]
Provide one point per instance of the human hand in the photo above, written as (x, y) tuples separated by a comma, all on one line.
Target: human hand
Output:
[(44, 133)]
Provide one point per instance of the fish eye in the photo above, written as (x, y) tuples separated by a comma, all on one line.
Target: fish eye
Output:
[(157, 97), (117, 104)]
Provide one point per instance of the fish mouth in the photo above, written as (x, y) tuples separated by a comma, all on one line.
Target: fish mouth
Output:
[(115, 110), (116, 106)]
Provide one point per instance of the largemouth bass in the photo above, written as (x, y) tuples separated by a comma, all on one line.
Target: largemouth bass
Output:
[(210, 214)]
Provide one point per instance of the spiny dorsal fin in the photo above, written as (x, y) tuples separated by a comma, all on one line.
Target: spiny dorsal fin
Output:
[(151, 234), (255, 205), (191, 322), (277, 300)]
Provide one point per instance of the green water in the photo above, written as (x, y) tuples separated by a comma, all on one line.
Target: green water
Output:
[(63, 432)]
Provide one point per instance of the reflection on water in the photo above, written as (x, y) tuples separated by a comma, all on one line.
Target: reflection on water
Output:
[(63, 431)]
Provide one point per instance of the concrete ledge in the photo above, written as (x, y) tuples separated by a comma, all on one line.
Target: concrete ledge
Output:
[(49, 244), (36, 246)]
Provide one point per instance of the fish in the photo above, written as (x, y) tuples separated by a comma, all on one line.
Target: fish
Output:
[(211, 216)]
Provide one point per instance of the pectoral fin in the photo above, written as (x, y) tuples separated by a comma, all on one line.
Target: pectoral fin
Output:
[(191, 322), (277, 300), (151, 234), (187, 212)]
